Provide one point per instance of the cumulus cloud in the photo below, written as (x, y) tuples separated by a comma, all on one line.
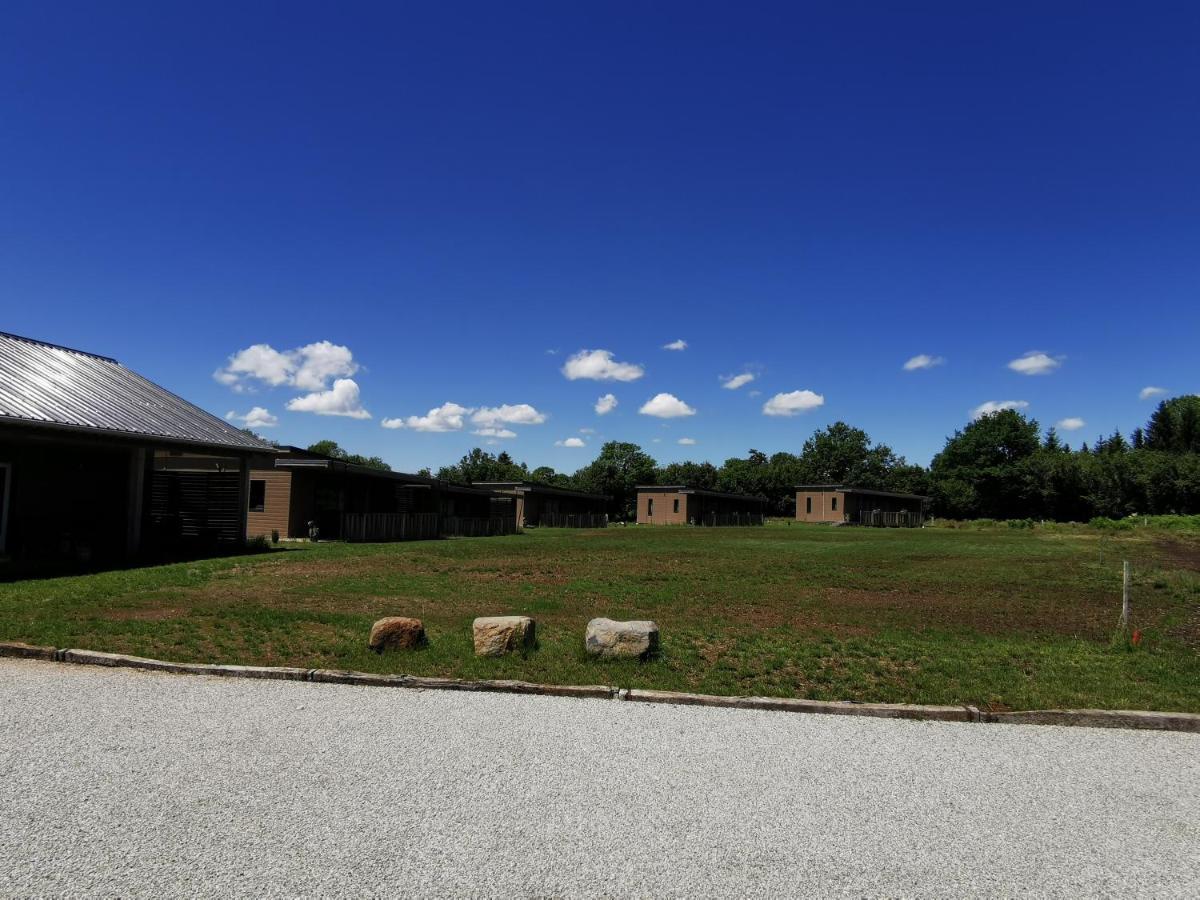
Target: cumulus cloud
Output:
[(736, 381), (340, 400), (258, 417), (308, 368), (687, 442), (1071, 423), (995, 406), (599, 365), (447, 417), (570, 442), (1150, 391), (514, 414), (1035, 362), (666, 406), (680, 344), (495, 433), (606, 404), (792, 403), (923, 361)]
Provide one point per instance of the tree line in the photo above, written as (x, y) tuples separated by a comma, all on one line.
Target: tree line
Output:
[(999, 466)]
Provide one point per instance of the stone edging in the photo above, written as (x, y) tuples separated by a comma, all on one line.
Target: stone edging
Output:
[(1094, 718)]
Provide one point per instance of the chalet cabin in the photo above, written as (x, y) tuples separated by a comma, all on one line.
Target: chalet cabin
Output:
[(680, 505), (300, 494), (99, 465), (844, 504), (552, 507)]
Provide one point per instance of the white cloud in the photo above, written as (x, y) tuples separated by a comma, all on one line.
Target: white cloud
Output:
[(587, 430), (599, 365), (1035, 362), (656, 441), (447, 417), (1150, 391), (754, 394), (995, 406), (923, 361), (1071, 423), (737, 381), (606, 404), (308, 368), (258, 417), (680, 344), (570, 442), (495, 433), (515, 414), (687, 442), (666, 406), (792, 403), (340, 400)]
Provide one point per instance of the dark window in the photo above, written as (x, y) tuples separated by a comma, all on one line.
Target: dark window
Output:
[(258, 496), (835, 504), (649, 507), (677, 504), (808, 505)]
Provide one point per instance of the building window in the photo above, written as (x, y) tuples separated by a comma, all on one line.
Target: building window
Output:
[(649, 507), (676, 510), (808, 505), (5, 490), (835, 504), (258, 496)]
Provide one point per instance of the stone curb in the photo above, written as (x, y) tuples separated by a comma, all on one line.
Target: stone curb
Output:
[(1092, 718)]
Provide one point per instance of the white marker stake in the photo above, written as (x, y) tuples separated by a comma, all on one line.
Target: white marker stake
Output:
[(1125, 596)]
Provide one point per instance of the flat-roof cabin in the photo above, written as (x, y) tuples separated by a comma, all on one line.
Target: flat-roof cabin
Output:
[(849, 505), (548, 506), (683, 505)]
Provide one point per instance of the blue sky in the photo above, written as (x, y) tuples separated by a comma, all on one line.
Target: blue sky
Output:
[(443, 203)]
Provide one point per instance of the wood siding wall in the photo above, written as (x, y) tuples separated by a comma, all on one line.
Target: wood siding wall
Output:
[(276, 512), (664, 508), (822, 506)]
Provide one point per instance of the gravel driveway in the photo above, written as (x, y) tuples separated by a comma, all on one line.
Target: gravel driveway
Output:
[(142, 784)]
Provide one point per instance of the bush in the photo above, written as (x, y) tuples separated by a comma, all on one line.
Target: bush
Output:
[(1021, 523), (275, 536), (258, 542)]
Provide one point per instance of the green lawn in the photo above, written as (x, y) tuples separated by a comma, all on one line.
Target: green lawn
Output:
[(999, 617)]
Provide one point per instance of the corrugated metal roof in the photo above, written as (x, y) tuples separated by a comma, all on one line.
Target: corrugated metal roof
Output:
[(43, 384)]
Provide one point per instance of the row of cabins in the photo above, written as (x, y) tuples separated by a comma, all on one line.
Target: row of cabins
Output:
[(98, 463), (836, 504)]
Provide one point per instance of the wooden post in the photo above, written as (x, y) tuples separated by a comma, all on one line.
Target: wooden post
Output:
[(1125, 595), (135, 499)]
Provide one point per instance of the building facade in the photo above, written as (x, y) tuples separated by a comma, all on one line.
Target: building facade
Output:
[(543, 505), (682, 505), (848, 505)]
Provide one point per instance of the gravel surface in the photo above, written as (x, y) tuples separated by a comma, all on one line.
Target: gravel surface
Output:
[(141, 784)]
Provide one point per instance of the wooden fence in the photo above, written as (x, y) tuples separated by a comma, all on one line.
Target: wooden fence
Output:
[(389, 526), (724, 520), (573, 520), (905, 518), (459, 526)]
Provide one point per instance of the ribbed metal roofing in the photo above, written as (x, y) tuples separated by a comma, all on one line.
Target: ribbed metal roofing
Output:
[(43, 384)]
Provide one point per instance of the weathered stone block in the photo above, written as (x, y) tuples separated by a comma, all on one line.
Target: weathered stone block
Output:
[(608, 638), (396, 633), (498, 635)]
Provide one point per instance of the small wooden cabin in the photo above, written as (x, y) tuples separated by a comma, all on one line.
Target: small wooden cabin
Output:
[(846, 504), (682, 505), (298, 493), (548, 506)]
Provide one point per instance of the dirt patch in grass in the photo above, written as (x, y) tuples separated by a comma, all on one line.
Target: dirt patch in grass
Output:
[(146, 614), (1179, 554)]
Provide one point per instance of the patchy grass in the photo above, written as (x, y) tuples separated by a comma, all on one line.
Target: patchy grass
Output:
[(1000, 617)]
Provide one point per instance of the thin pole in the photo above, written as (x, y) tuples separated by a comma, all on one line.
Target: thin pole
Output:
[(1125, 595)]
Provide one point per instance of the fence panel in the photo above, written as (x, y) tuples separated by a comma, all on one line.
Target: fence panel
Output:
[(725, 520), (378, 527), (461, 526), (876, 518), (573, 520)]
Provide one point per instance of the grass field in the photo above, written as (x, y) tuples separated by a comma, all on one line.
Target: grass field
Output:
[(999, 617)]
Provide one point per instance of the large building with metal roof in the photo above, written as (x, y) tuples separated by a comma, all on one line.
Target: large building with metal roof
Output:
[(553, 507), (98, 463)]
